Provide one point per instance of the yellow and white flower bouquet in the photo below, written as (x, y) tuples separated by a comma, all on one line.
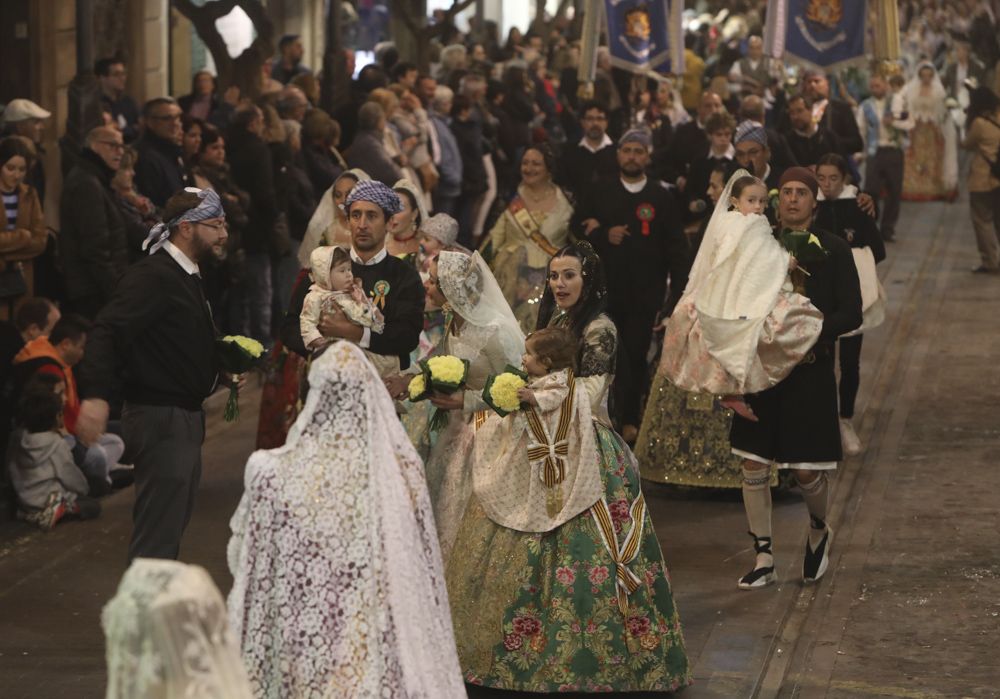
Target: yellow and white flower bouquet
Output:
[(500, 392)]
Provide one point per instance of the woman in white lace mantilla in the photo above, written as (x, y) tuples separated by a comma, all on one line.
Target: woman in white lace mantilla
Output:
[(167, 636), (338, 585), (483, 330)]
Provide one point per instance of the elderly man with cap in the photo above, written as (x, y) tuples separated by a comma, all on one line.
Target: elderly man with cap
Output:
[(392, 284), (635, 224), (157, 332), (794, 425), (23, 117)]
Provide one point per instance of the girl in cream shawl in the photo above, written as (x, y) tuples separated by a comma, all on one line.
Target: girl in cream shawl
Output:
[(739, 327)]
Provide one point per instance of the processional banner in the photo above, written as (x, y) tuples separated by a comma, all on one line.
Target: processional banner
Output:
[(824, 34), (646, 35)]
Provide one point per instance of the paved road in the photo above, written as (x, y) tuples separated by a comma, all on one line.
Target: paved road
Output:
[(910, 608)]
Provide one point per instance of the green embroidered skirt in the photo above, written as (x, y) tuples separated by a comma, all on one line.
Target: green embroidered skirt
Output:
[(540, 612)]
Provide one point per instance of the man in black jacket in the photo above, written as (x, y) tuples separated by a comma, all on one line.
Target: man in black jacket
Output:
[(252, 165), (159, 171), (93, 241), (157, 333), (635, 225), (392, 284), (832, 114), (808, 140), (690, 140), (795, 424), (592, 159)]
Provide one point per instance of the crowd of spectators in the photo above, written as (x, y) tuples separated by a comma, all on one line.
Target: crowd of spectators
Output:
[(494, 126)]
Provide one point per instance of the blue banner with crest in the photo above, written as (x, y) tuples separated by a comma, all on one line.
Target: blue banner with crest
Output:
[(645, 35), (821, 33)]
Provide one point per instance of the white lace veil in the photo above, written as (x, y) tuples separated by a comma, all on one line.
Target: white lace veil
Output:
[(473, 293), (323, 217), (338, 583), (167, 636), (713, 233)]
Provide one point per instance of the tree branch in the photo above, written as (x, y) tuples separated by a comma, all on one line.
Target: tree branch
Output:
[(435, 29)]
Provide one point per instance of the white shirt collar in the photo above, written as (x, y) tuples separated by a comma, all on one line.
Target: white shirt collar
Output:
[(634, 187), (382, 254), (180, 258), (605, 142), (728, 155)]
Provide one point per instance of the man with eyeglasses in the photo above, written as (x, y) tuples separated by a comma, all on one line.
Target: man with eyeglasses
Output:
[(159, 172), (157, 333), (124, 111), (92, 236), (593, 158)]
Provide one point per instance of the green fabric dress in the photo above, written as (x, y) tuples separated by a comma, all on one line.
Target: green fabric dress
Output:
[(540, 612)]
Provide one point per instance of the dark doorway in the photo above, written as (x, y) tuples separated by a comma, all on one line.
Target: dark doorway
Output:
[(15, 50)]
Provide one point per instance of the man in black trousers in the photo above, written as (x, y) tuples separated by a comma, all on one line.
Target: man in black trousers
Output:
[(157, 333), (635, 224), (794, 425)]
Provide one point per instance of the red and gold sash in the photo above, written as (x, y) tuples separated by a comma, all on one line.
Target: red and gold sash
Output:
[(518, 212)]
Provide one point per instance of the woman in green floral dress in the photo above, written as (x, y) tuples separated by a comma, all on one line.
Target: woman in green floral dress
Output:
[(586, 607)]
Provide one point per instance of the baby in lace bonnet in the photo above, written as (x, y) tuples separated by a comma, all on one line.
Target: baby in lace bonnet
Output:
[(334, 286)]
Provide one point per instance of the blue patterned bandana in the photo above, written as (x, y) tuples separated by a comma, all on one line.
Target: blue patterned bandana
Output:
[(209, 208), (377, 193)]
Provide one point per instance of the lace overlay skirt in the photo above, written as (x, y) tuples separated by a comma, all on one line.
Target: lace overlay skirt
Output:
[(539, 612)]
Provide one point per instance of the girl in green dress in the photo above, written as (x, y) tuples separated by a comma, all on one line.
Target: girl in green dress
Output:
[(586, 607)]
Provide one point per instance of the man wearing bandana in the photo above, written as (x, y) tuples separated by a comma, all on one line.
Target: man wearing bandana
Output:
[(636, 226), (157, 333), (393, 285)]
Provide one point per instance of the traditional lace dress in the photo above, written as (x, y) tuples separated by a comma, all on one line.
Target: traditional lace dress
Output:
[(930, 170), (548, 612), (338, 586), (489, 337), (168, 636)]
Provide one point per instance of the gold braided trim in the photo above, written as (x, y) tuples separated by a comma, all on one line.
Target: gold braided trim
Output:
[(626, 582), (554, 452)]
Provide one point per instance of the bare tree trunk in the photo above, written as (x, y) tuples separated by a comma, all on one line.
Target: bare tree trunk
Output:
[(245, 70), (336, 87)]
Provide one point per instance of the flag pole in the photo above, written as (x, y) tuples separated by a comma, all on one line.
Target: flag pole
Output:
[(590, 36)]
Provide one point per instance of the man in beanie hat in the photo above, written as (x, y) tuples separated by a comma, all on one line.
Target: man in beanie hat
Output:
[(753, 152), (636, 226), (795, 425), (393, 285)]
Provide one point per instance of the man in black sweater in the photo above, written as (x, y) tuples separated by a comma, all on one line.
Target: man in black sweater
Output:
[(392, 284), (157, 334), (795, 424), (635, 225), (592, 159), (808, 140)]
